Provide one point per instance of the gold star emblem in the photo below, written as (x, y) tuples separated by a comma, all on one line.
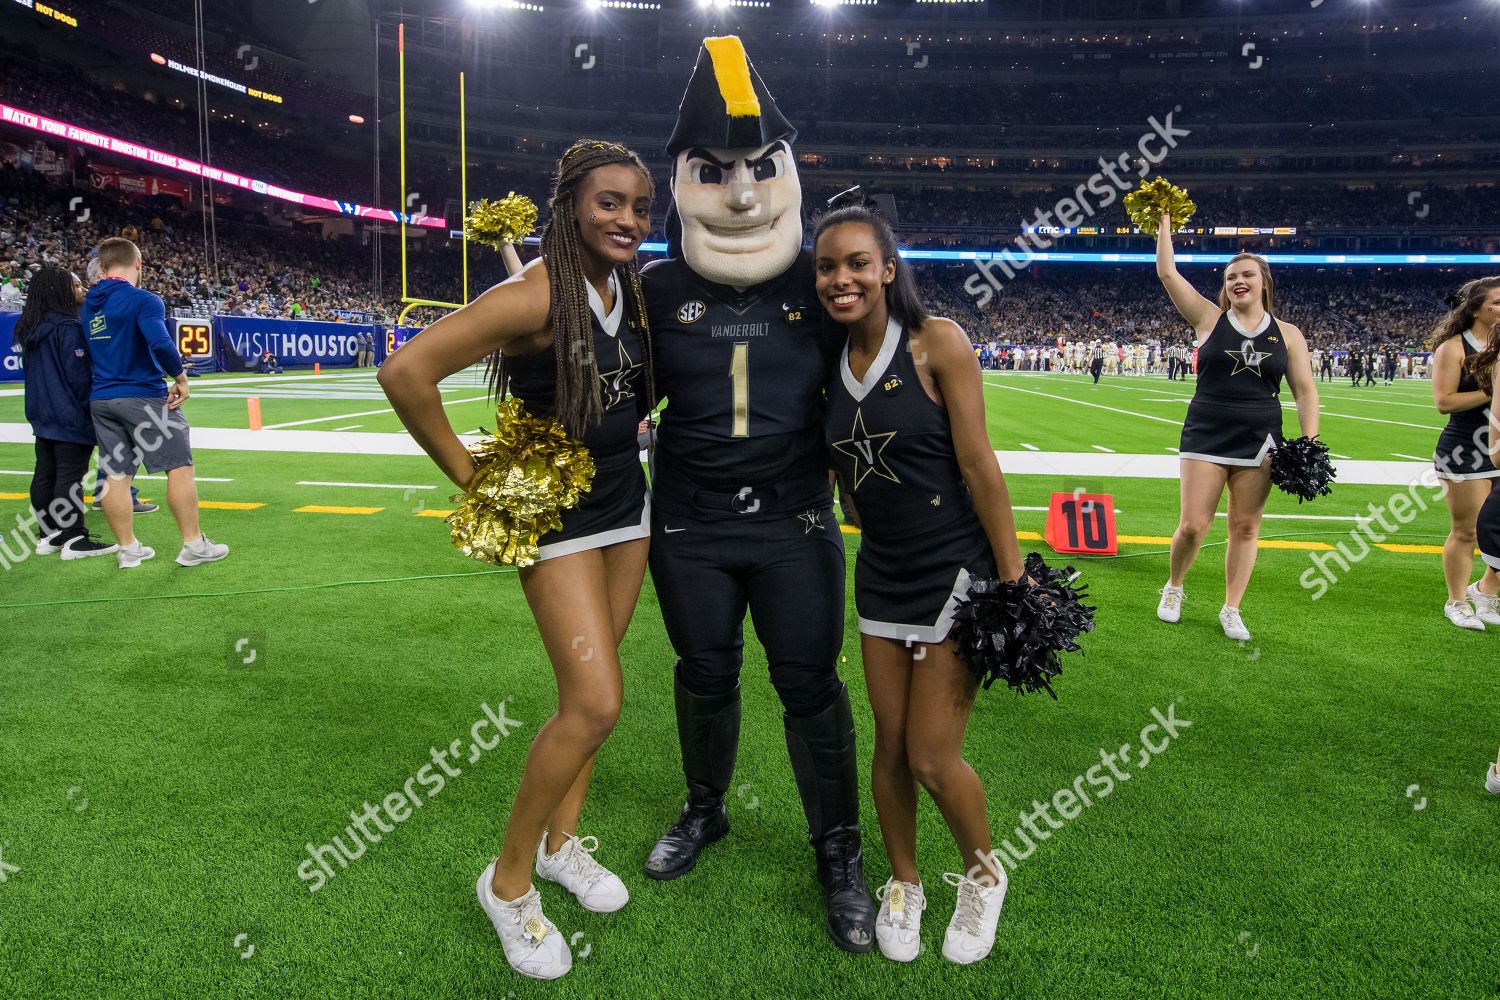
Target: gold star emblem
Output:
[(866, 448), (1247, 358), (617, 382)]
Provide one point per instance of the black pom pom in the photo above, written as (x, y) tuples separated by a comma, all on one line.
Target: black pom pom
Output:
[(1302, 468), (1015, 631)]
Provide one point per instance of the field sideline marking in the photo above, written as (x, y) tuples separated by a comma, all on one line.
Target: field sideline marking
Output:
[(365, 413), (378, 486), (1082, 402)]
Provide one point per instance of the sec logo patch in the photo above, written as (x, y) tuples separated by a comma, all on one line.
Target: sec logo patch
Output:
[(690, 312)]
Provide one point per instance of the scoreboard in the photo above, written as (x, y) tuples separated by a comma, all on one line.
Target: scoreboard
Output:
[(194, 337)]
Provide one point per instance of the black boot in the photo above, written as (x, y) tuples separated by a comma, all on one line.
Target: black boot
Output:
[(822, 752), (709, 731)]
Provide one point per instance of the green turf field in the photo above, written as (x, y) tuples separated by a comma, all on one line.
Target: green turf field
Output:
[(1321, 829)]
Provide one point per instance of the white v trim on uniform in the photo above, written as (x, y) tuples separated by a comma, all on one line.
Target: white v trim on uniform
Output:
[(611, 322), (860, 388)]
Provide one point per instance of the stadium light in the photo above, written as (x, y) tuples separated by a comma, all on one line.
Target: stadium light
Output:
[(356, 119), (505, 5)]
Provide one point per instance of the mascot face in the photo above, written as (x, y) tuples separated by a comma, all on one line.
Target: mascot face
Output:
[(741, 211)]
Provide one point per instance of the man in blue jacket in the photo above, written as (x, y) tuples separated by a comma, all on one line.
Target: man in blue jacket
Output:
[(137, 418)]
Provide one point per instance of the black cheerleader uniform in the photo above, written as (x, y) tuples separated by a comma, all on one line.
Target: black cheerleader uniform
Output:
[(617, 507), (1463, 449), (922, 541), (1235, 414)]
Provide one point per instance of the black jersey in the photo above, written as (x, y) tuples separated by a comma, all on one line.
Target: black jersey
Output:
[(743, 374), (1468, 421), (1239, 367), (620, 355), (893, 450)]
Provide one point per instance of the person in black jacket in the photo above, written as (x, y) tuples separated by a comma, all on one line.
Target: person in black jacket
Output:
[(58, 379)]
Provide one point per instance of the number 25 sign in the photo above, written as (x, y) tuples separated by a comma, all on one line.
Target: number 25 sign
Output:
[(1082, 523)]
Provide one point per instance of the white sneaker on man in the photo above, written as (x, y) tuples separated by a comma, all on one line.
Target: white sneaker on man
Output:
[(1492, 780), (573, 867), (201, 551), (898, 925), (132, 555), (1460, 614), (971, 932), (1170, 607), (1486, 607), (47, 545), (1233, 624), (533, 945)]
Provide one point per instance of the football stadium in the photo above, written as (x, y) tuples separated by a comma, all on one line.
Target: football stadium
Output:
[(749, 498)]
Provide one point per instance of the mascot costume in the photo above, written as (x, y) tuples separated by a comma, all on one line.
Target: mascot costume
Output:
[(741, 510)]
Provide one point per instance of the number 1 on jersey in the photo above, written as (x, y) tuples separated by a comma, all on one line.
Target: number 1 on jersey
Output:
[(739, 371)]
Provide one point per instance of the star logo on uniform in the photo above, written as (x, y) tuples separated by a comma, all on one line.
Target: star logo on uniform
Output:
[(1247, 358), (810, 518), (866, 449), (617, 382)]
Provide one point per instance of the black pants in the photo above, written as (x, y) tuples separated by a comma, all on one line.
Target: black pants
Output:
[(1327, 373), (60, 466), (787, 570), (1096, 368)]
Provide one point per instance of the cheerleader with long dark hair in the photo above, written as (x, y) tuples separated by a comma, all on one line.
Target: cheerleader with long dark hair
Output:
[(1486, 590), (1234, 419), (1463, 459), (906, 424), (568, 336)]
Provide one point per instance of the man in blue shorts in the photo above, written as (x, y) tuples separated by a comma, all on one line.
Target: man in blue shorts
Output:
[(137, 418)]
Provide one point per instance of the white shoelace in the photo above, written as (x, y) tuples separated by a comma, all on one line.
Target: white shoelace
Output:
[(970, 910), (1484, 602), (581, 858), (913, 904), (1172, 598), (1231, 619)]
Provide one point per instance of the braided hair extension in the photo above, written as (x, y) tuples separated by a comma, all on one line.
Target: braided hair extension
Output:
[(578, 405)]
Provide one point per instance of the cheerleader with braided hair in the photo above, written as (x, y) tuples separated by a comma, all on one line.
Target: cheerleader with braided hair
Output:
[(567, 335)]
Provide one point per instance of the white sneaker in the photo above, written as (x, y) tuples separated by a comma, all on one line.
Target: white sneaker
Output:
[(1460, 614), (86, 547), (132, 555), (1492, 780), (971, 932), (1486, 608), (598, 889), (1170, 608), (533, 945), (898, 926), (201, 551), (1234, 626), (45, 546)]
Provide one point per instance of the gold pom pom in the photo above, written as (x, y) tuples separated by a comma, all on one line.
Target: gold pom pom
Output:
[(496, 223), (1149, 202), (525, 477)]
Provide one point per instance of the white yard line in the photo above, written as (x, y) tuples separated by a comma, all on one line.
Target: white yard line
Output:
[(374, 486), (1306, 517), (1028, 447), (1100, 447), (1414, 458), (363, 413), (1080, 402), (197, 479), (1090, 465)]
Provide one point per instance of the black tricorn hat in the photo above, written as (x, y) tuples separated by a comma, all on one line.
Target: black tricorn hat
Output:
[(726, 105)]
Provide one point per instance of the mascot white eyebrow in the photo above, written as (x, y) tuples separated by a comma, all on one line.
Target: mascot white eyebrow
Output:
[(741, 508)]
